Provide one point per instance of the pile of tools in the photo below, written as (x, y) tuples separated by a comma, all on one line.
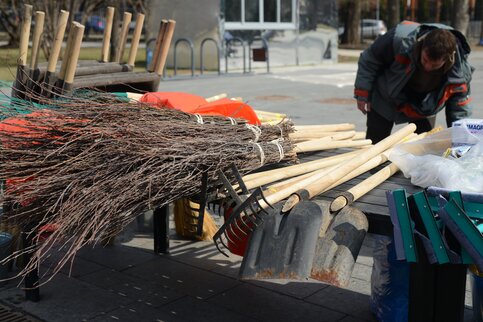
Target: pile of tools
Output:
[(55, 79), (444, 225)]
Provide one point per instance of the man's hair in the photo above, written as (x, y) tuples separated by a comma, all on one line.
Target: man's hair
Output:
[(439, 43)]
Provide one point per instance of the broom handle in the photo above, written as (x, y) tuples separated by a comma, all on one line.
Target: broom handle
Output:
[(370, 183), (314, 185), (336, 136), (67, 52), (325, 127), (76, 45), (24, 35), (320, 145), (59, 38), (216, 97), (39, 28), (303, 167), (135, 39), (157, 47), (163, 55), (126, 20), (270, 176), (106, 41)]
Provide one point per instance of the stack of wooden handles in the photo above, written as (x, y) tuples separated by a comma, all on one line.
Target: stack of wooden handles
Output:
[(58, 79), (307, 180)]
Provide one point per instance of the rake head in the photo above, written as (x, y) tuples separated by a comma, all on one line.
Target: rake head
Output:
[(240, 221)]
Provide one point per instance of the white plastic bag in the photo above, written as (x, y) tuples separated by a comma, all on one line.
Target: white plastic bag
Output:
[(423, 162)]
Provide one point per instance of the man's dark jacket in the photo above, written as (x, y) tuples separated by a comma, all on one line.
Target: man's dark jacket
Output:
[(386, 66)]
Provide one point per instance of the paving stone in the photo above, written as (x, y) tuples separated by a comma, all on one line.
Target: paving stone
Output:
[(202, 254), (135, 312), (192, 309), (259, 303), (66, 299), (353, 319), (298, 289), (79, 267), (117, 257), (343, 300), (188, 279), (132, 287)]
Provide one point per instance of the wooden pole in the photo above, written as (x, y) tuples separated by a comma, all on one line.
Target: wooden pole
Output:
[(157, 47), (107, 34), (124, 32), (315, 185), (163, 55), (322, 144), (135, 39), (72, 64), (25, 35)]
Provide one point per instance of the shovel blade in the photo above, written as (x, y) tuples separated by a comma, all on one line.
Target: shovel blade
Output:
[(338, 247), (283, 246)]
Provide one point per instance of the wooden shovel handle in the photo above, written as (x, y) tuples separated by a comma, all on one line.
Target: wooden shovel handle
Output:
[(106, 41), (39, 28), (74, 56), (24, 35), (126, 20), (316, 187), (168, 36), (67, 52), (135, 39), (59, 38), (157, 47)]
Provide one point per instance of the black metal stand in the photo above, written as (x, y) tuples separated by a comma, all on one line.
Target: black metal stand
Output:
[(32, 290), (161, 230)]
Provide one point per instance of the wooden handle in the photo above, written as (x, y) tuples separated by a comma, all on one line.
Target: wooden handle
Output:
[(67, 51), (303, 167), (163, 55), (59, 38), (317, 184), (24, 35), (74, 55), (326, 127), (157, 47), (216, 97), (106, 41), (39, 28), (126, 20), (135, 39), (323, 144)]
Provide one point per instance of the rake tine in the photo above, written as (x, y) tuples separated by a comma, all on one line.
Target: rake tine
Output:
[(239, 179), (218, 247)]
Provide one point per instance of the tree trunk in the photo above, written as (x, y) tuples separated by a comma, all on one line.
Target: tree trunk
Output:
[(11, 14), (393, 13), (460, 18), (352, 35), (437, 17)]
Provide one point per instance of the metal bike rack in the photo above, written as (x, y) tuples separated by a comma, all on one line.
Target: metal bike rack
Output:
[(218, 54), (190, 43), (244, 54), (259, 54)]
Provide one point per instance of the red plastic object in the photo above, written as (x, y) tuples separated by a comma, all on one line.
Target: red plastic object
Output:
[(195, 104)]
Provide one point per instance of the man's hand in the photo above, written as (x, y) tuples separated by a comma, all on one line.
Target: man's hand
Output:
[(363, 106)]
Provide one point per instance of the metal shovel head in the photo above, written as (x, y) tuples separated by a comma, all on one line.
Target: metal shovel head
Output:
[(338, 246), (283, 245)]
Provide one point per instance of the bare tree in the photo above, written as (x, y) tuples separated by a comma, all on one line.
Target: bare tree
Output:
[(352, 18), (393, 13), (10, 18), (460, 18)]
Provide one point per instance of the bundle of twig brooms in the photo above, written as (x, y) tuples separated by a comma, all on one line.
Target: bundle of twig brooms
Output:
[(90, 163)]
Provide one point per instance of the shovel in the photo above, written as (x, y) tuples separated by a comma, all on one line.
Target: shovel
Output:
[(336, 238)]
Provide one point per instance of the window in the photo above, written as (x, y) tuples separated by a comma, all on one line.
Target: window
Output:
[(259, 14)]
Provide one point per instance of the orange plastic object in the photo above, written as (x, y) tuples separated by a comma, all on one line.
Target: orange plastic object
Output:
[(195, 104)]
